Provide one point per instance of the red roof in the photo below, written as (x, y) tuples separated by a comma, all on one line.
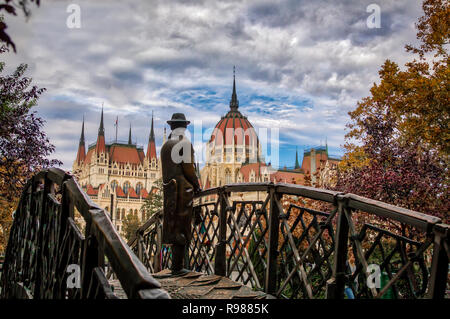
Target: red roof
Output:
[(91, 191), (100, 146), (124, 154), (234, 125), (120, 192), (151, 150), (287, 177), (89, 155), (247, 168), (144, 193), (132, 193), (81, 154)]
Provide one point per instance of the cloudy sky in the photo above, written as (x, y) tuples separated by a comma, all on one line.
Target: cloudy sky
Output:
[(300, 65)]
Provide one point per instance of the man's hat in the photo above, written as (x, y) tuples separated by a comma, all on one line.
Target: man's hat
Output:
[(178, 118)]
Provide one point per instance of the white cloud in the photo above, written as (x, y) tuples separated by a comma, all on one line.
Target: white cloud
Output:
[(300, 65)]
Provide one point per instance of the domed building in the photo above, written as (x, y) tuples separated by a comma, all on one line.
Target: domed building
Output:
[(234, 155), (233, 145)]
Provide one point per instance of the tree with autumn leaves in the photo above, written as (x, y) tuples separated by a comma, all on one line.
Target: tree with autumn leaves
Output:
[(24, 147), (398, 142)]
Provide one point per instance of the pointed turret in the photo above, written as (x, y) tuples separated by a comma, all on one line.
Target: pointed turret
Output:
[(151, 148), (100, 147), (81, 154), (234, 102), (129, 136), (297, 164), (164, 136)]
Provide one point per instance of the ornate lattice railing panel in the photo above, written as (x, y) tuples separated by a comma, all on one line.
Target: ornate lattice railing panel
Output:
[(204, 238), (246, 242), (306, 252), (47, 252), (265, 236)]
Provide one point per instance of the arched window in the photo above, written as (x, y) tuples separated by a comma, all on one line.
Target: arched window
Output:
[(138, 188), (136, 213), (114, 185), (126, 186), (228, 176), (143, 215), (118, 213), (123, 213)]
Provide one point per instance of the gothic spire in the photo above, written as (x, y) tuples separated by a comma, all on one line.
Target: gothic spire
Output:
[(81, 154), (129, 136), (152, 132), (297, 164), (151, 148), (82, 133), (100, 146), (234, 102), (101, 129)]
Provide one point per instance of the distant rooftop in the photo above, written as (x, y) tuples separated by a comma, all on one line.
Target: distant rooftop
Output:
[(118, 142)]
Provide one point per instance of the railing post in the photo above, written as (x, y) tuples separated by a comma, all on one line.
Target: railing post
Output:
[(43, 219), (67, 210), (157, 261), (220, 257), (139, 246), (90, 261), (270, 285), (336, 284), (439, 264)]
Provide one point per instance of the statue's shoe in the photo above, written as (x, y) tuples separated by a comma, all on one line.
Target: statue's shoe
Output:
[(180, 272)]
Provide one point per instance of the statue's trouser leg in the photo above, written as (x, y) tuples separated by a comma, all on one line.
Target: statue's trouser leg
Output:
[(177, 257)]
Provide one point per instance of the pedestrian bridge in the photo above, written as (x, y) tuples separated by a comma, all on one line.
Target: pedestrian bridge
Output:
[(274, 246)]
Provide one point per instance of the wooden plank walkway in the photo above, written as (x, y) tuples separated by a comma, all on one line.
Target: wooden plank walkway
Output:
[(195, 285)]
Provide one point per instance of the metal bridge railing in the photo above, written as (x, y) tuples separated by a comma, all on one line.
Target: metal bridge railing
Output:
[(46, 238), (291, 251)]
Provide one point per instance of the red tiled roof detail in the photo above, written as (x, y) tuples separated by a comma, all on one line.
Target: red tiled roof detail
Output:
[(132, 193), (151, 150), (91, 191), (234, 125), (245, 170), (100, 146), (89, 156), (287, 177), (81, 154), (144, 193), (120, 192), (124, 154)]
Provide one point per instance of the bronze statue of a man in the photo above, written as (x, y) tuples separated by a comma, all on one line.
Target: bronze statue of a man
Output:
[(179, 185)]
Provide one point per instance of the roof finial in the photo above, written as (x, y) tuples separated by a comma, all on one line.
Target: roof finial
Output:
[(234, 103)]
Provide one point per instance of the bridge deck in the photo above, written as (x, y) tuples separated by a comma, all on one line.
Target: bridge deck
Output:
[(195, 285)]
